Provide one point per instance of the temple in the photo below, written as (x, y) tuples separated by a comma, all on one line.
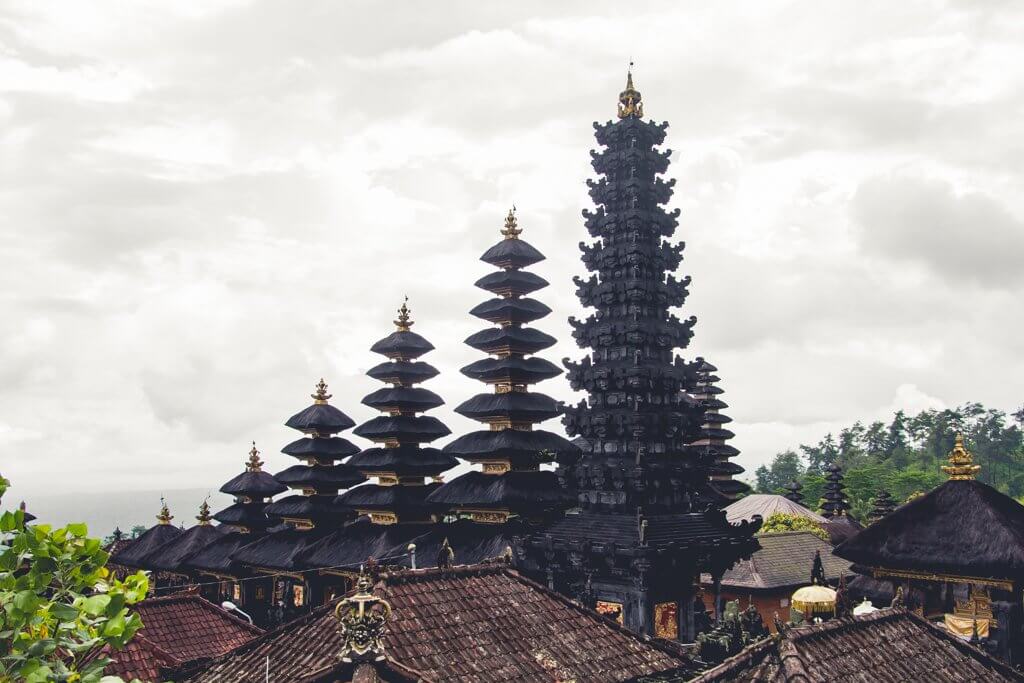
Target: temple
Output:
[(646, 524), (712, 441)]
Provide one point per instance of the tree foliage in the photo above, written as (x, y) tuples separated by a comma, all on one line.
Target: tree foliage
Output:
[(904, 456), (59, 603), (780, 522)]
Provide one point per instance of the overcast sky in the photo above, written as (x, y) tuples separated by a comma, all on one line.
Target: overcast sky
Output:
[(206, 206)]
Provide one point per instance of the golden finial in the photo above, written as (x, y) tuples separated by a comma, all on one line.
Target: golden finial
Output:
[(165, 515), (511, 231), (629, 99), (961, 463), (254, 463), (204, 514), (404, 323), (321, 395), (363, 618)]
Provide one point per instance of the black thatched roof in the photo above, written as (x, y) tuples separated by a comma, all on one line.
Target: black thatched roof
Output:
[(321, 447), (339, 476), (402, 344), (278, 549), (842, 528), (471, 543), (320, 418), (963, 527), (519, 406), (154, 537), (169, 556), (514, 444), (515, 282), (300, 506), (405, 399), (517, 491), (517, 311), (512, 254), (404, 428), (217, 557), (403, 372), (404, 460), (354, 544), (395, 498), (249, 515), (512, 369), (254, 484), (515, 340)]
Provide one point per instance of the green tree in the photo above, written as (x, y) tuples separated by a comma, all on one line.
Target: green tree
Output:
[(780, 522), (785, 467), (137, 531), (59, 603)]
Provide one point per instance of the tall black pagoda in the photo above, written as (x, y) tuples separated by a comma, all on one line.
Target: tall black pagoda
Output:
[(393, 509), (644, 530), (711, 443), (510, 483), (836, 508)]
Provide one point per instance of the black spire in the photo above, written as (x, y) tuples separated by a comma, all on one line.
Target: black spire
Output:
[(510, 483), (252, 490), (883, 504), (834, 503), (793, 492), (713, 435), (817, 570), (400, 462), (320, 476)]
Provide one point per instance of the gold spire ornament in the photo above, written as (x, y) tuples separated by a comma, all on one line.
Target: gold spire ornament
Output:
[(254, 464), (511, 231), (961, 463), (165, 516), (363, 618), (204, 514), (630, 105), (321, 395), (404, 323)]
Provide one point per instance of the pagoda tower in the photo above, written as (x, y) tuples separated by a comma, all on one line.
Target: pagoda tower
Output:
[(882, 505), (834, 502), (393, 508), (252, 490), (713, 436), (310, 513), (510, 484), (644, 531), (794, 492)]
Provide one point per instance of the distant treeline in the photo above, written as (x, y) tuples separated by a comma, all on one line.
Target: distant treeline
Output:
[(904, 456)]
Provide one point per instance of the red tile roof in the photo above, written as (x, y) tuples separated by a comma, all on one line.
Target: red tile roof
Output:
[(474, 623), (178, 629)]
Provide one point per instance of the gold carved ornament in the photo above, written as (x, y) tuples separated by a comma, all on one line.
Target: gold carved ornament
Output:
[(511, 231), (961, 463), (320, 397), (254, 464), (404, 323), (164, 516), (630, 104), (363, 621)]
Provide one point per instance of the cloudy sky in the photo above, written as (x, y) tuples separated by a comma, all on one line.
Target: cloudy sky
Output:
[(206, 206)]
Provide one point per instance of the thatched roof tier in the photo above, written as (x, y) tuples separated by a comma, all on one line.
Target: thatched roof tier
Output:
[(510, 311), (248, 515), (511, 282), (314, 508), (512, 491), (402, 399), (392, 498), (514, 445), (402, 345), (510, 340), (962, 528), (512, 254), (326, 477), (403, 372), (841, 528), (347, 548), (402, 428), (512, 370), (320, 418), (322, 448), (516, 406), (278, 550), (170, 556), (403, 460), (134, 553), (253, 485)]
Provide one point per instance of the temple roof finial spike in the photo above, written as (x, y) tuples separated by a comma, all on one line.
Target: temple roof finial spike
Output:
[(321, 396), (254, 464), (164, 516), (511, 231), (630, 104), (961, 463), (404, 322), (204, 513)]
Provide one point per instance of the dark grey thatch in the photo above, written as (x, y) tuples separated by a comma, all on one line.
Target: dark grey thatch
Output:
[(512, 254), (402, 344), (519, 281), (169, 556), (520, 311), (510, 340), (353, 545), (512, 369), (842, 528), (524, 491), (279, 549), (963, 527), (515, 405), (217, 556), (403, 460), (133, 554)]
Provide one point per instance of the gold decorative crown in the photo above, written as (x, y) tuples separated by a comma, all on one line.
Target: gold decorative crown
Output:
[(404, 323), (165, 516), (630, 104), (511, 231), (363, 619), (254, 464), (204, 514), (321, 395), (961, 463)]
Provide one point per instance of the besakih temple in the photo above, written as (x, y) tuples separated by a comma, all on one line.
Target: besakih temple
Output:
[(956, 554), (644, 529)]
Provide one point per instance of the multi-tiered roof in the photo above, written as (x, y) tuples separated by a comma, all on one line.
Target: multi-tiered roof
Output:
[(311, 512), (171, 556), (835, 507), (714, 435), (134, 554), (510, 483), (394, 506)]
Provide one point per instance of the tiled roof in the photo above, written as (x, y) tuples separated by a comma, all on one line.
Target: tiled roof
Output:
[(784, 560), (178, 629), (766, 504), (887, 646), (480, 623)]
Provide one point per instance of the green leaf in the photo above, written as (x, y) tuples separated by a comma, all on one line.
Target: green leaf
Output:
[(96, 605), (26, 601), (79, 530)]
